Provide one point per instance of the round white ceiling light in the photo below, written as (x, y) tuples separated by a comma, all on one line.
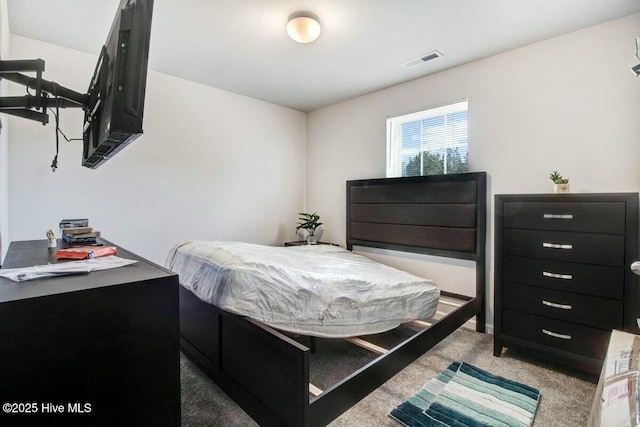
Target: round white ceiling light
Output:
[(303, 27)]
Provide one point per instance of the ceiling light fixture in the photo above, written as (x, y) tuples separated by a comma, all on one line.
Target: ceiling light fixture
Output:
[(303, 27)]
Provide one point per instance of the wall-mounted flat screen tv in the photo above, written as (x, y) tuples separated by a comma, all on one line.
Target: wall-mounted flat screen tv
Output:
[(113, 116)]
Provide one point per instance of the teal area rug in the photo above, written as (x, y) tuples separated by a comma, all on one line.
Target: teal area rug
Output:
[(463, 395)]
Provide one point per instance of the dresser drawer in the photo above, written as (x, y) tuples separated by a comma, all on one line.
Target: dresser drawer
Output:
[(601, 249), (591, 311), (591, 217), (585, 279), (580, 339)]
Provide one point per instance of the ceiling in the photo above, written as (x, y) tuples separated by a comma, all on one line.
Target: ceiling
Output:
[(242, 46)]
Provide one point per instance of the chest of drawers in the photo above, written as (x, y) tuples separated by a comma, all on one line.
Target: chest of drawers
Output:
[(561, 275)]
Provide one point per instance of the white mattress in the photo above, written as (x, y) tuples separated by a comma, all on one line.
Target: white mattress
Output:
[(318, 290)]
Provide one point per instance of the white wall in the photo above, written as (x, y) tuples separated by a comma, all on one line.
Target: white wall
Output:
[(569, 103), (210, 165), (4, 147), (216, 165)]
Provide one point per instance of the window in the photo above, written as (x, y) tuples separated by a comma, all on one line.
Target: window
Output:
[(429, 142)]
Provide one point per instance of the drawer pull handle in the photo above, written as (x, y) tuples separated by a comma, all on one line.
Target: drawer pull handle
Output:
[(557, 246), (556, 305), (557, 276), (554, 216), (556, 335)]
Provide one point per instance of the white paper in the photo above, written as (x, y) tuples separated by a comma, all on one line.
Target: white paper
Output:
[(64, 268)]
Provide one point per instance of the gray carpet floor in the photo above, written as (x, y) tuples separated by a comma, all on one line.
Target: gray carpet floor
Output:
[(566, 399)]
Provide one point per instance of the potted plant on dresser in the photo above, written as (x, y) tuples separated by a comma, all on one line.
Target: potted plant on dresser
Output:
[(309, 222), (560, 184)]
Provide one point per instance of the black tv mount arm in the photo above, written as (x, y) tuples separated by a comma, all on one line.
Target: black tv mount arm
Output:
[(34, 107)]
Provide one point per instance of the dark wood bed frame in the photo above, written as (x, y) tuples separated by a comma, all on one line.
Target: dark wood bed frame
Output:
[(267, 373)]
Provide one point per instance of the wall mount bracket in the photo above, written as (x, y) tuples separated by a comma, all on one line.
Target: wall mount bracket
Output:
[(47, 94)]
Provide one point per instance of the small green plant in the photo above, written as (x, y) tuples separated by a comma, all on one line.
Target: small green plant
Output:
[(309, 222), (557, 178)]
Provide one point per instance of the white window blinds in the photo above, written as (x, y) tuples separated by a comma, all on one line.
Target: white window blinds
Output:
[(429, 142)]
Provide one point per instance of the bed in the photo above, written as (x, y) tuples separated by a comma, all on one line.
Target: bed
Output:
[(266, 371), (312, 290)]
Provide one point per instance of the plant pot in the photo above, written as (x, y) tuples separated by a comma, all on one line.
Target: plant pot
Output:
[(312, 240), (561, 188)]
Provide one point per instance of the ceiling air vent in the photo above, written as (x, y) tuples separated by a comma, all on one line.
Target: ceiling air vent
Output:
[(422, 59)]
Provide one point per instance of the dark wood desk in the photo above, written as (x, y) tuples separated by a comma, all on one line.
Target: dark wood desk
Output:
[(103, 347)]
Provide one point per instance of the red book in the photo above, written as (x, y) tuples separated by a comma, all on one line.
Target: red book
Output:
[(85, 252)]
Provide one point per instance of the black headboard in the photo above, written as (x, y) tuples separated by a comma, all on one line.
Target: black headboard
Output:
[(443, 215)]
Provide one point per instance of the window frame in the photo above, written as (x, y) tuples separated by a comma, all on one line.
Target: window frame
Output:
[(394, 167)]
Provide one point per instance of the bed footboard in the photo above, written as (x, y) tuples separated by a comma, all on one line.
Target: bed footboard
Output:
[(263, 371), (336, 400)]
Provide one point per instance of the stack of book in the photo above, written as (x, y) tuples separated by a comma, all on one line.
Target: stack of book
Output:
[(76, 222), (80, 236)]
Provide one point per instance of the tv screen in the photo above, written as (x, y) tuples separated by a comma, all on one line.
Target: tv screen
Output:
[(113, 117)]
